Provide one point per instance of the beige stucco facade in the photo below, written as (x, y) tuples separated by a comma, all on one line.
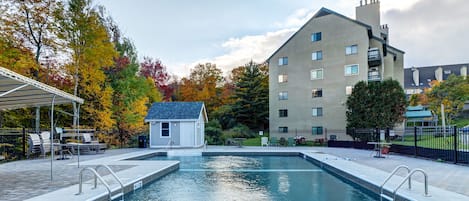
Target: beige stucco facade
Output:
[(337, 33)]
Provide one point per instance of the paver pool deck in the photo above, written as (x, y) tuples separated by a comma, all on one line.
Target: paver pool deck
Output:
[(21, 180)]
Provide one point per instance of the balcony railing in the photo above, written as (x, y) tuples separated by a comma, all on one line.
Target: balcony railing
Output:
[(374, 57), (374, 76)]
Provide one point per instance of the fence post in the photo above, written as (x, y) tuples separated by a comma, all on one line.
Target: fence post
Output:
[(24, 142), (415, 140), (455, 131)]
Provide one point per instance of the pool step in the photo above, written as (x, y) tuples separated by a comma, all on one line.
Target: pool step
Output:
[(386, 197), (183, 153), (118, 196)]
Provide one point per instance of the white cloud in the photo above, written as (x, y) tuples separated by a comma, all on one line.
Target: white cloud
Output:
[(242, 50), (297, 19), (431, 32)]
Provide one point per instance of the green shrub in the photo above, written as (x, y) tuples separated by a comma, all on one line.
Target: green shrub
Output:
[(241, 131), (213, 133)]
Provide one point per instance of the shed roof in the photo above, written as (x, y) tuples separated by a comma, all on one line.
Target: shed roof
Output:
[(418, 114), (175, 110), (415, 108), (18, 91)]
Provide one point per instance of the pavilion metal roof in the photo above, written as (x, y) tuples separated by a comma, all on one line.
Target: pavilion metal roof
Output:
[(18, 91)]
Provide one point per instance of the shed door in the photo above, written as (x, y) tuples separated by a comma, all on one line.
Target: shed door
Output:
[(187, 134)]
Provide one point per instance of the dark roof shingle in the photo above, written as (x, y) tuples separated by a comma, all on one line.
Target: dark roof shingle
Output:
[(427, 74), (175, 110)]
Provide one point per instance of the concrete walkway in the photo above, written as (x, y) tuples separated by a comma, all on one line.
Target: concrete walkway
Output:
[(21, 180), (24, 179)]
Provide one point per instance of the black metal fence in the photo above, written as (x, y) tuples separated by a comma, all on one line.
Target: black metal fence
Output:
[(450, 144), (13, 143), (439, 143)]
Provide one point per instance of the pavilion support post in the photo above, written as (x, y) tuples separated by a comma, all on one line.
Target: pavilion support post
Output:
[(52, 136), (38, 119), (78, 128)]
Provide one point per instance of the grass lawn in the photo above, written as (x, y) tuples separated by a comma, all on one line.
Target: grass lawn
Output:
[(461, 122), (430, 141), (252, 141)]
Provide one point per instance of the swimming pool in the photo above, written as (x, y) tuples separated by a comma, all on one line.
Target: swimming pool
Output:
[(248, 178)]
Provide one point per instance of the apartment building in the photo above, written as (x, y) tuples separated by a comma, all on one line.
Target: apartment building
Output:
[(314, 71), (417, 79)]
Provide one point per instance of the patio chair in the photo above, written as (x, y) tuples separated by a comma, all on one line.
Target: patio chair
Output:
[(291, 142), (94, 144), (264, 141), (87, 139), (273, 141), (35, 144), (46, 142)]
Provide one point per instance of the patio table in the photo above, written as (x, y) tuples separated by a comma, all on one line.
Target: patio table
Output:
[(378, 148)]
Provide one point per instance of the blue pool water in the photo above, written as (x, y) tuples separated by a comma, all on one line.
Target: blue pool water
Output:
[(248, 178)]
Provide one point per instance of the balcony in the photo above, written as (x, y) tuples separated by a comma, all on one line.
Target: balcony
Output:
[(373, 75), (374, 57)]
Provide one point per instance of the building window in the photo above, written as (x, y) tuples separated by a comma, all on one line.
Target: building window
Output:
[(316, 36), (317, 130), (349, 50), (283, 113), (283, 61), (283, 95), (317, 112), (317, 93), (282, 78), (283, 129), (316, 74), (351, 70), (317, 55), (348, 90), (165, 129)]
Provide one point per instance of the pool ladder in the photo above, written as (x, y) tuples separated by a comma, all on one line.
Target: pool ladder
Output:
[(407, 178), (98, 176)]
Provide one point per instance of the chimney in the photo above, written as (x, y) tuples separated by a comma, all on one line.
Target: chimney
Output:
[(369, 13)]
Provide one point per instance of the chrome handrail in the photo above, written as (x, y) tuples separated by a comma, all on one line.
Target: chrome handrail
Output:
[(392, 174), (113, 174), (80, 186), (408, 178)]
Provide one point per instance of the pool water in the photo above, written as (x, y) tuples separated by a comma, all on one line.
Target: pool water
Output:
[(248, 178)]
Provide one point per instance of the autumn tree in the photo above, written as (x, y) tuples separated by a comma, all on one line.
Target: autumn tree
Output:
[(451, 93), (33, 23), (91, 49), (204, 84), (14, 56), (132, 93), (155, 70)]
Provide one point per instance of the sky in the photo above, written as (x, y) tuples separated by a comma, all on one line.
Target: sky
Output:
[(230, 33)]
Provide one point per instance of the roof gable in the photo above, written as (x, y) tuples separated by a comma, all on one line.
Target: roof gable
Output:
[(175, 110), (322, 12)]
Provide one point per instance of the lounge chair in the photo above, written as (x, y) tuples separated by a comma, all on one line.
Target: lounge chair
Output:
[(87, 139), (46, 142), (94, 145), (35, 144), (273, 141)]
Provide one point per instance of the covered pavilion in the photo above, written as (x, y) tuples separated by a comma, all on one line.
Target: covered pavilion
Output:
[(18, 91)]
